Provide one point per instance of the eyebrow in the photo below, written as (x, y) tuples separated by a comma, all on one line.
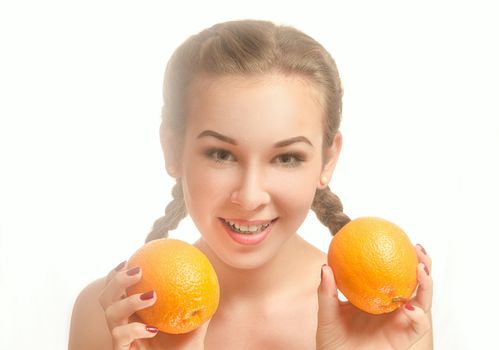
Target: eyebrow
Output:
[(217, 135), (230, 140), (292, 140)]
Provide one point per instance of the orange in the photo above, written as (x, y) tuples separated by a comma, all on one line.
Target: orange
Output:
[(374, 264), (184, 281)]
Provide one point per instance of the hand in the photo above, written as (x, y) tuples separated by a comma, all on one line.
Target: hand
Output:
[(127, 330), (342, 326)]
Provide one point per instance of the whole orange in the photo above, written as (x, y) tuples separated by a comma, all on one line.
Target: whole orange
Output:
[(374, 264), (184, 281)]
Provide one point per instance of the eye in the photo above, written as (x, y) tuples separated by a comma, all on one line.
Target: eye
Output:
[(289, 160), (220, 155)]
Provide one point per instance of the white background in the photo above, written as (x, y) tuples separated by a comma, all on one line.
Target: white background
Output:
[(81, 172)]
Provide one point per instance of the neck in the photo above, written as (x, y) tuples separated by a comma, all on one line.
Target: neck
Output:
[(261, 282)]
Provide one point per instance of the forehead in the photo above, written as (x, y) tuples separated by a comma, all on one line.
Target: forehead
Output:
[(272, 104)]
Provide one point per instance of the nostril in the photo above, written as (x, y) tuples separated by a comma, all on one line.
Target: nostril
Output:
[(250, 201)]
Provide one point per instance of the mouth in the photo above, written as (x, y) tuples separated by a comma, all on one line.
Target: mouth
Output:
[(247, 228), (248, 233)]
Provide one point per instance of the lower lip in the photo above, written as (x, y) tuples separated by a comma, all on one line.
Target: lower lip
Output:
[(249, 239)]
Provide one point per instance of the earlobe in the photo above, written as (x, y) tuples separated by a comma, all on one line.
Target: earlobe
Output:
[(323, 182), (172, 171), (331, 158)]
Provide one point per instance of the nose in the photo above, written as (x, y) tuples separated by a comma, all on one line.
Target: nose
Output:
[(251, 193)]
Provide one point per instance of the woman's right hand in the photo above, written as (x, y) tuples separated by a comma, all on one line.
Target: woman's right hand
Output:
[(118, 308), (127, 330)]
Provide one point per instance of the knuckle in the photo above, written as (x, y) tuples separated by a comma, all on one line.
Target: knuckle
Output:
[(117, 280), (123, 280), (115, 332), (122, 309), (136, 302), (108, 312), (136, 326)]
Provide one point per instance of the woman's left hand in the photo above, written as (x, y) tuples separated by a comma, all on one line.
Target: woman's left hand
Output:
[(342, 326)]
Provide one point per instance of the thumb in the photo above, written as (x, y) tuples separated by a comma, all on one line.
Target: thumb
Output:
[(327, 294), (419, 320)]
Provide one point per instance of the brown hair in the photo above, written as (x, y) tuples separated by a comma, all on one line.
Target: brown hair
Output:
[(250, 47)]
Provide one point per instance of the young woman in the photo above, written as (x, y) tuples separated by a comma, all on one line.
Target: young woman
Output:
[(250, 133)]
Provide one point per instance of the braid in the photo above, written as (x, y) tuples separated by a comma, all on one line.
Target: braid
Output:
[(329, 210), (174, 212)]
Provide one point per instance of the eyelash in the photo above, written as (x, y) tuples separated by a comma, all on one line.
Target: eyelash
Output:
[(297, 159), (215, 155)]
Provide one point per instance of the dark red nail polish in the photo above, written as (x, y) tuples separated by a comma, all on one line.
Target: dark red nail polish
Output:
[(120, 266), (426, 270), (151, 329), (133, 271), (422, 249), (409, 307), (147, 295)]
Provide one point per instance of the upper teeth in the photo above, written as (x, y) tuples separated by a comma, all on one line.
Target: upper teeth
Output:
[(247, 228)]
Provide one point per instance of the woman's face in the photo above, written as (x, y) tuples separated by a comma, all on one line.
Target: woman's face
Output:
[(251, 162)]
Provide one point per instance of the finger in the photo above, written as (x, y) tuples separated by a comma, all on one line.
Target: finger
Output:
[(328, 298), (113, 272), (119, 312), (424, 294), (116, 287), (418, 319), (123, 336), (423, 256)]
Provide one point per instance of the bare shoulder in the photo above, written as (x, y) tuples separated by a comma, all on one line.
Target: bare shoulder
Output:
[(88, 324), (310, 261), (314, 255)]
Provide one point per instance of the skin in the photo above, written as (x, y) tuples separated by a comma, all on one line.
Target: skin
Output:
[(252, 154), (249, 179)]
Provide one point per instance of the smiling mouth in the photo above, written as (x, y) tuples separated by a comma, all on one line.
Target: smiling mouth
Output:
[(247, 229)]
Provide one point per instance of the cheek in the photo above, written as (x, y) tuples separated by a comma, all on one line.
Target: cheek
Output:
[(208, 189), (294, 192), (204, 189)]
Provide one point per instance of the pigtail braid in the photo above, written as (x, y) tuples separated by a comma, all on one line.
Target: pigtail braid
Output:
[(174, 212), (329, 210)]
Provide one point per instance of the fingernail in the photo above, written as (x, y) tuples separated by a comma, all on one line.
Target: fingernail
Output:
[(151, 329), (409, 307), (322, 270), (120, 266), (134, 271), (147, 295), (422, 249)]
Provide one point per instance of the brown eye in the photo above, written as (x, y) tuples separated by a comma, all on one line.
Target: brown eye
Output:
[(289, 160), (220, 155)]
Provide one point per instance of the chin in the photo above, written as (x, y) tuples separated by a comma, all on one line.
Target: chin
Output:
[(244, 258)]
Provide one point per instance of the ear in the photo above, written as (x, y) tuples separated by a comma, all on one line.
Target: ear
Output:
[(170, 144), (331, 158)]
